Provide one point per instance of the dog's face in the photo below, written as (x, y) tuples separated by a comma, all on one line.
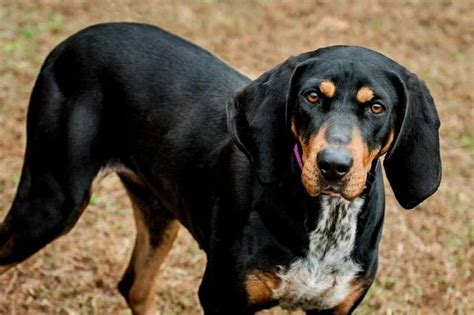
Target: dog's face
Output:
[(342, 119), (344, 107)]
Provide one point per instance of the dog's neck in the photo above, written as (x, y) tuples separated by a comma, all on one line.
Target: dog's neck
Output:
[(304, 210)]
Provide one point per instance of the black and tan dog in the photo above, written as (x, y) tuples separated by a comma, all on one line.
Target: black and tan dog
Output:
[(278, 179)]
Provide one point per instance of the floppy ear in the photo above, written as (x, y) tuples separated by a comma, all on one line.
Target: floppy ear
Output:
[(413, 165), (256, 120)]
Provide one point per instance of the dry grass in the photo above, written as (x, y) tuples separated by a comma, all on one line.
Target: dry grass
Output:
[(426, 254)]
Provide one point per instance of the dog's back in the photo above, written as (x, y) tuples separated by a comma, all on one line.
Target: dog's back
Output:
[(103, 95)]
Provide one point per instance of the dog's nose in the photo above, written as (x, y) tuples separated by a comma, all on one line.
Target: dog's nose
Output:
[(334, 164)]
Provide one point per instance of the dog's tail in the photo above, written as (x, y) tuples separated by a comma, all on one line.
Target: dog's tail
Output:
[(65, 150)]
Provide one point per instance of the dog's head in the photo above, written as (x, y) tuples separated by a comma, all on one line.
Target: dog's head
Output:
[(344, 107)]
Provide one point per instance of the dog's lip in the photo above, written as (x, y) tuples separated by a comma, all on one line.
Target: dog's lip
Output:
[(331, 193), (336, 190)]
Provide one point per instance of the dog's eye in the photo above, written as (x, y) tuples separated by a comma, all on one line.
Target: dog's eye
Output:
[(377, 108), (312, 97)]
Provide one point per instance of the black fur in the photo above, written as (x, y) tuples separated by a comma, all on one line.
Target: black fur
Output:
[(211, 146)]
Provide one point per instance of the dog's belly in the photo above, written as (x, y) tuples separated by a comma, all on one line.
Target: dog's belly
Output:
[(326, 276)]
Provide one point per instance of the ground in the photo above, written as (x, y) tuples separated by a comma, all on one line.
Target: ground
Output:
[(426, 254)]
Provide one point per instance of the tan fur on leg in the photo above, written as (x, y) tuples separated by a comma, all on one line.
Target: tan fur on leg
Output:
[(146, 262)]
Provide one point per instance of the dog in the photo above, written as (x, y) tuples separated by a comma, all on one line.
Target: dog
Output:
[(278, 179)]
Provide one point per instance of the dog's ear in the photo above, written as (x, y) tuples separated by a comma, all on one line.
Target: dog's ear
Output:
[(256, 119), (413, 164)]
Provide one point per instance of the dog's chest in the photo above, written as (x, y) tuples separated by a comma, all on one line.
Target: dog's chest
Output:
[(324, 277)]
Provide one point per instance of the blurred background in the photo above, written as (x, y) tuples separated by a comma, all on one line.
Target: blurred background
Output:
[(426, 255)]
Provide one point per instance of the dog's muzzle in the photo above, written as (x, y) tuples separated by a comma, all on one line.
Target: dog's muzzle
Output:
[(334, 164)]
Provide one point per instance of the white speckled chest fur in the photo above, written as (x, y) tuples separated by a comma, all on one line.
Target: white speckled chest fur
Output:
[(322, 279)]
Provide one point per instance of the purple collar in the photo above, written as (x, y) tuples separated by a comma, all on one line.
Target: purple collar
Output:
[(296, 151)]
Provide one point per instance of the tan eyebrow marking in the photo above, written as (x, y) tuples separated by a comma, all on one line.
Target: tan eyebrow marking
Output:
[(328, 88), (364, 95)]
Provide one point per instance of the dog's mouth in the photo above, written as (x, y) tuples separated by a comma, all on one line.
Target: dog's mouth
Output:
[(332, 194), (348, 189), (342, 190), (333, 191)]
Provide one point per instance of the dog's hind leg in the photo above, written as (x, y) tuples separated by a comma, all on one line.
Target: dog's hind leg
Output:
[(64, 153), (156, 232)]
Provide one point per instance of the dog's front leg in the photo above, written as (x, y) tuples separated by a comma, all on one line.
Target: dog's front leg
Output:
[(220, 291)]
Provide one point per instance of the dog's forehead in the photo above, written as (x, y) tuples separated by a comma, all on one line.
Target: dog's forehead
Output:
[(348, 63), (349, 69), (353, 54)]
